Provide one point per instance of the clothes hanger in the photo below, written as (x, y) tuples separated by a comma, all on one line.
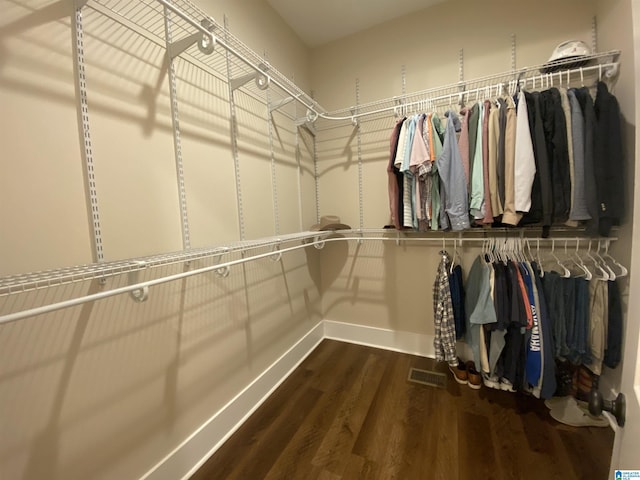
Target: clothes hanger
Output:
[(578, 261), (566, 273), (539, 260), (605, 265), (623, 270), (604, 275)]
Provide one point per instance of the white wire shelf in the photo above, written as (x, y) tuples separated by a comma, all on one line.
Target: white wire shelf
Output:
[(81, 273), (603, 65), (139, 290), (147, 17)]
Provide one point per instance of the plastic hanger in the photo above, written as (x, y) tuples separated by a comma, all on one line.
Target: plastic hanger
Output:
[(604, 275), (578, 261), (453, 257), (566, 273), (601, 261), (623, 270), (538, 260)]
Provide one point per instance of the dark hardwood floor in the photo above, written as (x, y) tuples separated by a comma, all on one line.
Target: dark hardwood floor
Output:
[(348, 412)]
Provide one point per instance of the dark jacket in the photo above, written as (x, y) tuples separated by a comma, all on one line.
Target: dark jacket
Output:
[(555, 132), (586, 103), (609, 161), (542, 193)]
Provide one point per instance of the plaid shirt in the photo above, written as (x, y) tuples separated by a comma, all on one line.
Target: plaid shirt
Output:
[(445, 337)]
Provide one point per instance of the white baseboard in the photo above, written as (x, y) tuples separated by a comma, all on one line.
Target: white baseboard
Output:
[(397, 341), (405, 342), (193, 452)]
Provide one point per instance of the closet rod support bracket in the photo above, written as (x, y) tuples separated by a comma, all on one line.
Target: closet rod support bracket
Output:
[(354, 120), (141, 294), (317, 243), (222, 272), (277, 254)]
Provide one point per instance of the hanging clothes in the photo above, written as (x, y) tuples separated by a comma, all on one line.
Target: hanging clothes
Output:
[(492, 194), (545, 162), (453, 181), (393, 174), (510, 215), (524, 161), (485, 208), (463, 143), (579, 209), (555, 132), (476, 201), (609, 163), (445, 331), (598, 321), (479, 308), (456, 287), (586, 104), (613, 352)]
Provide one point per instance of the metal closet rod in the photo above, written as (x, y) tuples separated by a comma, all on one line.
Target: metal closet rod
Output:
[(496, 90), (609, 71), (314, 108), (52, 278), (318, 243), (531, 71)]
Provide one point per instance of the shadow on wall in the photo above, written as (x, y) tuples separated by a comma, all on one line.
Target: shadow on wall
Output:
[(109, 388), (382, 285), (324, 273), (121, 68)]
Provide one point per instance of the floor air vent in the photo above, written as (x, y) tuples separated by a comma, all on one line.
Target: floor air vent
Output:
[(427, 377)]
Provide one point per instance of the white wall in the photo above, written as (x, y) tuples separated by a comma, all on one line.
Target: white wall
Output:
[(384, 285), (108, 389), (615, 30), (73, 383)]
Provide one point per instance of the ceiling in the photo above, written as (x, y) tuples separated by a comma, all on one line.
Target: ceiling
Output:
[(320, 21)]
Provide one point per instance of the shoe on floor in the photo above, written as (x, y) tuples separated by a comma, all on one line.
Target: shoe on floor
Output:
[(474, 379), (567, 411), (459, 372), (491, 381), (506, 385)]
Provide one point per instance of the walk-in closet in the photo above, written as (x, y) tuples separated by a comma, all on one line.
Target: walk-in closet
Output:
[(335, 240)]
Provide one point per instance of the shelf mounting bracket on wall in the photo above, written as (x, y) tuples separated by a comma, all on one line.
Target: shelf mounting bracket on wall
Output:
[(262, 79), (280, 103), (206, 43), (308, 122)]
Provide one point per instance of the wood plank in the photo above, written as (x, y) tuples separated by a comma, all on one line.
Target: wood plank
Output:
[(344, 430), (296, 458), (348, 412)]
